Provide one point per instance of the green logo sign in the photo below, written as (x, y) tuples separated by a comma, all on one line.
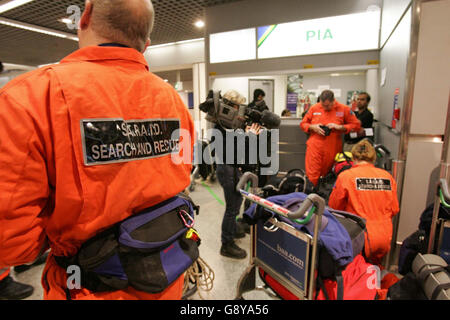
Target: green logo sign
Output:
[(318, 35)]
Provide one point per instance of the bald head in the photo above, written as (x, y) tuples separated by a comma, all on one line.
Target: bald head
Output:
[(127, 22)]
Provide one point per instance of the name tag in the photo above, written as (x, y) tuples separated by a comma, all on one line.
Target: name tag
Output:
[(317, 114), (339, 114), (353, 135), (108, 141), (373, 184), (369, 132)]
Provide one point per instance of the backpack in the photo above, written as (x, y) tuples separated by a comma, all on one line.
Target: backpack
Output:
[(343, 161), (428, 280), (417, 242), (294, 180)]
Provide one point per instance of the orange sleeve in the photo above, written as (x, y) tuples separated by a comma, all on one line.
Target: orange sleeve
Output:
[(24, 186), (351, 122), (306, 121), (339, 196)]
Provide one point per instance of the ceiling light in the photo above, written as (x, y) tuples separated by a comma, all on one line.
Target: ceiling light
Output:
[(12, 4), (199, 24), (30, 27)]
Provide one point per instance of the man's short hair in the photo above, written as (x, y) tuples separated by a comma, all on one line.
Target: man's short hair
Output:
[(257, 93), (367, 95), (327, 95), (123, 21)]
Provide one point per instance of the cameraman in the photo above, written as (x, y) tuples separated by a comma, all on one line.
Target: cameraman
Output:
[(228, 175)]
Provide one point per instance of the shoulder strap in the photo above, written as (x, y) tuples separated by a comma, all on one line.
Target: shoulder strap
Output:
[(340, 285), (188, 198), (321, 286)]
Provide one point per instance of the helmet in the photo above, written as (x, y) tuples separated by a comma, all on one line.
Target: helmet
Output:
[(343, 156)]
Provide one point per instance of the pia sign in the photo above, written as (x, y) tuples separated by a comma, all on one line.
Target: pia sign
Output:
[(352, 32)]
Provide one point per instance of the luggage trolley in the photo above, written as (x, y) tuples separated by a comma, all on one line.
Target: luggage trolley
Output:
[(288, 255)]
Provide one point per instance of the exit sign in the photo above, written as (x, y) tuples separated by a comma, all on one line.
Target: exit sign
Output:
[(352, 32)]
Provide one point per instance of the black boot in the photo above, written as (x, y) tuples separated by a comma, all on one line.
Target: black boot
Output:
[(13, 290), (240, 233), (231, 250), (25, 267), (243, 225)]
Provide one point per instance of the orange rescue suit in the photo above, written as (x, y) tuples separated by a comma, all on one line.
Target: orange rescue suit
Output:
[(371, 193), (49, 197), (320, 150)]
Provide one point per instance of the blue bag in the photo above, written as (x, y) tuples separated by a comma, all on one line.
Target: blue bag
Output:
[(147, 251)]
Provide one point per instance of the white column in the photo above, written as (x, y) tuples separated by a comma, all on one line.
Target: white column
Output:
[(372, 89), (199, 85)]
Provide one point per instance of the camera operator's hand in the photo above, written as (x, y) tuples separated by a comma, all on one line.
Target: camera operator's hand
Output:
[(254, 128), (317, 129), (335, 126)]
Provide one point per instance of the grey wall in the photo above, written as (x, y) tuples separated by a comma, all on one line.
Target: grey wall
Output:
[(393, 59), (345, 82), (429, 107), (175, 55)]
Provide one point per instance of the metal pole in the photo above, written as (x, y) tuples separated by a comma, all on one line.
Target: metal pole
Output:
[(399, 165), (398, 171), (444, 173), (320, 203)]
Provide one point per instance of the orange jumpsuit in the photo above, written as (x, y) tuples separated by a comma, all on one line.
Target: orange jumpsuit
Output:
[(51, 193), (320, 150), (371, 193)]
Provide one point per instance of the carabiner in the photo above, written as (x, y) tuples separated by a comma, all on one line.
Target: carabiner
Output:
[(188, 225)]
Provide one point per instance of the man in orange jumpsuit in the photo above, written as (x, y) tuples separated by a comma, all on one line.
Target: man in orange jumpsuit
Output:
[(322, 147), (87, 143), (371, 193)]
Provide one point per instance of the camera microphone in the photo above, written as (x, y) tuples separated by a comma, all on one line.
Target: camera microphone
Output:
[(270, 120)]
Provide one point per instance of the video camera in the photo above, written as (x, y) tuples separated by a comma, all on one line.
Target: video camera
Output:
[(224, 113)]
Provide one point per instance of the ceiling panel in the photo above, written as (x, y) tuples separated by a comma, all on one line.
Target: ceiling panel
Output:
[(174, 21)]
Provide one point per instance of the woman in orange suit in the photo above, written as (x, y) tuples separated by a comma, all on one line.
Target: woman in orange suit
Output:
[(371, 193)]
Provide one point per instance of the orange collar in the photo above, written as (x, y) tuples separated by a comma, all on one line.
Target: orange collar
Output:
[(333, 107), (366, 164), (96, 53)]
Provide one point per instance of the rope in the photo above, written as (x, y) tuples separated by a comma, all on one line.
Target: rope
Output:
[(201, 274)]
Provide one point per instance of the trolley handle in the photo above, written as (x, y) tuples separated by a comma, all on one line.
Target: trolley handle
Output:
[(247, 177), (444, 194), (381, 147)]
